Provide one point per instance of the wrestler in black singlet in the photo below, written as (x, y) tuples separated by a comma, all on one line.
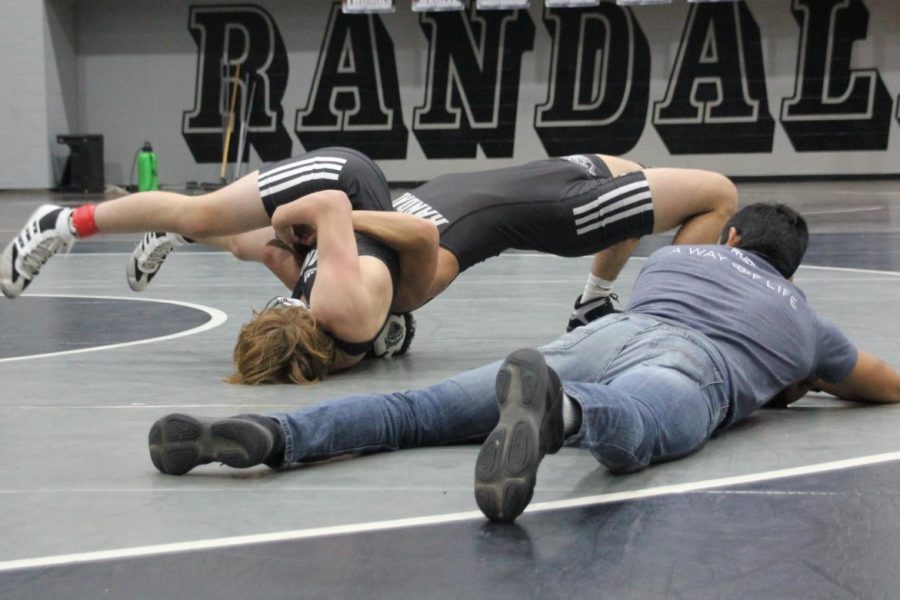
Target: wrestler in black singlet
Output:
[(570, 206), (366, 246), (342, 169)]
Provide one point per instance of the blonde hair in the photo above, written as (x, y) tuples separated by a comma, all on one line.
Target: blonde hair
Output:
[(282, 345)]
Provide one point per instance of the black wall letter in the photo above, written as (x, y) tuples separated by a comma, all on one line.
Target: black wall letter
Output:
[(474, 62), (355, 96), (834, 107), (599, 82), (716, 99), (242, 35)]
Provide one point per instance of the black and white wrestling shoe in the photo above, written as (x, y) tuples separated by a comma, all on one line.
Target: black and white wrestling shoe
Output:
[(584, 313), (46, 233), (149, 255)]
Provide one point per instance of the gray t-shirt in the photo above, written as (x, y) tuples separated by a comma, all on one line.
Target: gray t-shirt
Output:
[(767, 334)]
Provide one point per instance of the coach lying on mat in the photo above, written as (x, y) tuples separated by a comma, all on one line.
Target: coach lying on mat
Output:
[(711, 334)]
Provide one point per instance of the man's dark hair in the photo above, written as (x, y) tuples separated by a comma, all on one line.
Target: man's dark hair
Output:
[(774, 232)]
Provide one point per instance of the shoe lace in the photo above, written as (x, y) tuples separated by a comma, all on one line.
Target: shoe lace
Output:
[(36, 257), (151, 261)]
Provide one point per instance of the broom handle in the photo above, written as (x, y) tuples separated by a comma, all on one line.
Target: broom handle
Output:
[(230, 126)]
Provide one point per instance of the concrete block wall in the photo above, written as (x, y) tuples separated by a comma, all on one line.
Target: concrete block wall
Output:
[(367, 83), (39, 91), (61, 75), (24, 151), (132, 70)]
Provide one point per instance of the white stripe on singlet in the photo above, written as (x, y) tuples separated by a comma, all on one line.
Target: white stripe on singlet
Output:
[(618, 217), (302, 171), (300, 163), (628, 200)]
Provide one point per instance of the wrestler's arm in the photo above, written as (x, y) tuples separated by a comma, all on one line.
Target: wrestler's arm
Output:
[(282, 261), (416, 242), (871, 380), (343, 300)]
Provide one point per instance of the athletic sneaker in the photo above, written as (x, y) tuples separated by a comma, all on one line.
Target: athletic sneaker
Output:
[(591, 310), (148, 256), (46, 233), (531, 425), (178, 442)]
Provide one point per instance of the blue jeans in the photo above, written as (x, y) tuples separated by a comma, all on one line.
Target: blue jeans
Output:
[(648, 391)]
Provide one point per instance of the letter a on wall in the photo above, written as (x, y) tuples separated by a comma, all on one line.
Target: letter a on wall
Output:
[(716, 99), (228, 37), (354, 99)]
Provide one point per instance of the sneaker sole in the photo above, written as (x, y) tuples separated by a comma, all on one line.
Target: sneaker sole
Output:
[(178, 443), (9, 289), (135, 282), (507, 464)]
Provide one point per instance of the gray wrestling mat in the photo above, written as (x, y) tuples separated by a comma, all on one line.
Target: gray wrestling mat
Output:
[(799, 503)]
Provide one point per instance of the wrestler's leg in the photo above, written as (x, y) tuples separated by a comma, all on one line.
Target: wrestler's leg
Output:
[(596, 299), (699, 202), (609, 263), (261, 246), (248, 246), (233, 209), (53, 229)]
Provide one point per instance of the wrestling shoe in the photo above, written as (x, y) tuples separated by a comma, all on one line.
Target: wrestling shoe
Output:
[(46, 233), (149, 255), (530, 397), (591, 310), (395, 337), (178, 442)]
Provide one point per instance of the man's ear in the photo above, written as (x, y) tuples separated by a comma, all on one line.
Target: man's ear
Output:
[(734, 237)]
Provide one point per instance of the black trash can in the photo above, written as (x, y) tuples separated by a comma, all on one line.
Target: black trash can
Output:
[(84, 169)]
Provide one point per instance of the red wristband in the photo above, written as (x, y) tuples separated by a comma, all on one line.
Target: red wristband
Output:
[(83, 220)]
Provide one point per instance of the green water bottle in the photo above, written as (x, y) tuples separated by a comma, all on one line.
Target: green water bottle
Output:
[(148, 179)]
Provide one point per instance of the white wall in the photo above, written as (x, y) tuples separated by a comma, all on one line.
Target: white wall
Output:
[(62, 79), (24, 153), (127, 69)]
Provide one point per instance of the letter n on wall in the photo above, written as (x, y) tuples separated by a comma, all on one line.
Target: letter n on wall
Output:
[(472, 93)]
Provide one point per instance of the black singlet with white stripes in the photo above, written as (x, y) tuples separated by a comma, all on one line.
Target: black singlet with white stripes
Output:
[(366, 246), (336, 168), (569, 206)]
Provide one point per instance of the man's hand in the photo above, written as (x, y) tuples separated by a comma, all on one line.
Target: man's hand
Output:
[(284, 228), (790, 394), (305, 234), (295, 222)]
